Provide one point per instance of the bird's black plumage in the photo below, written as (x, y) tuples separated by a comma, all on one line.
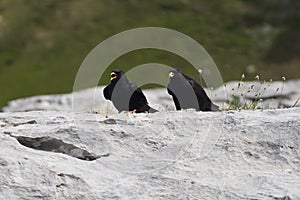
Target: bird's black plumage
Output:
[(187, 93), (125, 95)]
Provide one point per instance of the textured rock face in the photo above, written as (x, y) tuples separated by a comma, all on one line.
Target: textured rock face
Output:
[(166, 155), (274, 95)]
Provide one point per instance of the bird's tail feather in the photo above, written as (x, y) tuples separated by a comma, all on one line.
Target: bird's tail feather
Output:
[(152, 110), (215, 108)]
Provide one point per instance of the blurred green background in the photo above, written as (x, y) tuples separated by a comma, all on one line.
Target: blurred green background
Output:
[(43, 43)]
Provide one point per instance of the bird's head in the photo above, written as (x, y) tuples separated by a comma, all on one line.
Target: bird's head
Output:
[(116, 74), (175, 73)]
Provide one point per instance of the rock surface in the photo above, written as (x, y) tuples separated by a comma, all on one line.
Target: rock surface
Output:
[(273, 95), (165, 155)]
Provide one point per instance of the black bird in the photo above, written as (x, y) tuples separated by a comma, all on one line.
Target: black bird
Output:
[(187, 93), (125, 95)]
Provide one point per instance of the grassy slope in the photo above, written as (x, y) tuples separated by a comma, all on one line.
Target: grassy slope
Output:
[(42, 43)]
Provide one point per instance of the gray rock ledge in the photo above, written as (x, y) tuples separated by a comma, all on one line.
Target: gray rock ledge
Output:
[(166, 155)]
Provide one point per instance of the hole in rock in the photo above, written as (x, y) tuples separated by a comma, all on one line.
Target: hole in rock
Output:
[(54, 145)]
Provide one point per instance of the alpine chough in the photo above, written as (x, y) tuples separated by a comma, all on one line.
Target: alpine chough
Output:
[(125, 95), (187, 93)]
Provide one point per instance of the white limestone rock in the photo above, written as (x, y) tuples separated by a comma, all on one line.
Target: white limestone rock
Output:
[(165, 155)]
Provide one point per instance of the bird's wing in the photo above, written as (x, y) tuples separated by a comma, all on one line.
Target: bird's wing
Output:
[(138, 93), (204, 101), (199, 91), (106, 93)]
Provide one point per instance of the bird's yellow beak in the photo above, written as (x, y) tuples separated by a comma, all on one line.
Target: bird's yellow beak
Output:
[(171, 74), (113, 75)]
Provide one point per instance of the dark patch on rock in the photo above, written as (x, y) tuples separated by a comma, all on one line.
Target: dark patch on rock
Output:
[(155, 145), (71, 129), (269, 144), (7, 133), (58, 146), (60, 185), (3, 162), (115, 121), (283, 198), (248, 153), (109, 121), (18, 124), (68, 175)]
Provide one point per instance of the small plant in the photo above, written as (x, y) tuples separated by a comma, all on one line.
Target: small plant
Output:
[(241, 100)]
